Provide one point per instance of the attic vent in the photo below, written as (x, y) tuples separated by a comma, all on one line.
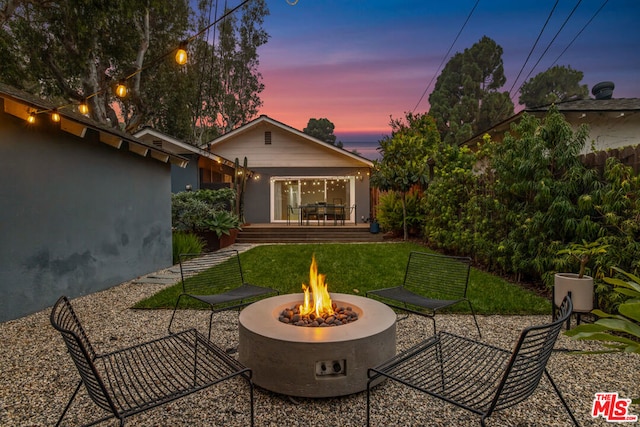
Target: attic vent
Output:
[(267, 137), (603, 90), (157, 143)]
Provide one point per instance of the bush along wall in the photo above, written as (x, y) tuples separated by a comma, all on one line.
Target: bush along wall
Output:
[(205, 213), (513, 205)]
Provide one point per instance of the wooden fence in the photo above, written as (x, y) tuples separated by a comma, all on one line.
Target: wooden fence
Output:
[(629, 156)]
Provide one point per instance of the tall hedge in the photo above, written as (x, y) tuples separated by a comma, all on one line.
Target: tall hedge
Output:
[(512, 205)]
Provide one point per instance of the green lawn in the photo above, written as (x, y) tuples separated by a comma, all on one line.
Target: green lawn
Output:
[(357, 268)]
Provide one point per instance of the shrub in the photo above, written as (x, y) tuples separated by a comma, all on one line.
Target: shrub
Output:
[(389, 213), (186, 243), (204, 210)]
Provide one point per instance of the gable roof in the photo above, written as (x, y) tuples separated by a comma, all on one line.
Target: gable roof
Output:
[(286, 128), (599, 105), (21, 104), (617, 106), (177, 146)]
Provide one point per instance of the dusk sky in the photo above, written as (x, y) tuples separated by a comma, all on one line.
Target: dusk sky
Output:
[(359, 62)]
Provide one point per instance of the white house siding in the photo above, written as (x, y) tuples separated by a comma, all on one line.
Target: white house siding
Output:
[(286, 150), (291, 154), (610, 130)]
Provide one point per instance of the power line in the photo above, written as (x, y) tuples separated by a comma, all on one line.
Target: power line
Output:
[(580, 32), (533, 47), (445, 56), (551, 42)]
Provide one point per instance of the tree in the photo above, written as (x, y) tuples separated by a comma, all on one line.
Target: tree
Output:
[(466, 98), (405, 157), (557, 84), (71, 50), (321, 129)]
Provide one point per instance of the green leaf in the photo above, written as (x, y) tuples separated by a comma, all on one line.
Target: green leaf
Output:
[(621, 325), (630, 310), (600, 336)]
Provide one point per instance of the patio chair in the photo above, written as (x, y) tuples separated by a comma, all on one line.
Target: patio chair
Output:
[(311, 211), (477, 377), (216, 279), (291, 212), (135, 379), (431, 282)]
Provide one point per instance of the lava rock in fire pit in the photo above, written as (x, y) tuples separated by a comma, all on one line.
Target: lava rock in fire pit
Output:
[(341, 316)]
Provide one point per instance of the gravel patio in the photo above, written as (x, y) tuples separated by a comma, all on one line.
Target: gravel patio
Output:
[(38, 376)]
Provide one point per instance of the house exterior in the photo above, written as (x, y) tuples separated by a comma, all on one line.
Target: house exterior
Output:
[(614, 128), (289, 168), (205, 169), (83, 207)]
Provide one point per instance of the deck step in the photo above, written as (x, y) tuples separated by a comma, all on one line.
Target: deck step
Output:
[(303, 234)]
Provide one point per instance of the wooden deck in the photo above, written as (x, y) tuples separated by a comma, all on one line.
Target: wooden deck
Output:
[(295, 233)]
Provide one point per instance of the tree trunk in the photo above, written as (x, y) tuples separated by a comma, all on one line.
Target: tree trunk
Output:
[(404, 215)]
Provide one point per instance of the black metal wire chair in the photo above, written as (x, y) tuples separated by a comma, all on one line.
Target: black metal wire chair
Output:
[(477, 377), (147, 375), (217, 280), (431, 282)]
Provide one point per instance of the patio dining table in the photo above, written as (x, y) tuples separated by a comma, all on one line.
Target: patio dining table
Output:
[(324, 211)]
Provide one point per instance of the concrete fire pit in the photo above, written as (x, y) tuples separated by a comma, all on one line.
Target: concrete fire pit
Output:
[(315, 361)]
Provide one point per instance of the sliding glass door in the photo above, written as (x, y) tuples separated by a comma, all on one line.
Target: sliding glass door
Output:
[(291, 192)]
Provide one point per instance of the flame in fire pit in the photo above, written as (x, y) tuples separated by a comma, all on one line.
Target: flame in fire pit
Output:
[(316, 295)]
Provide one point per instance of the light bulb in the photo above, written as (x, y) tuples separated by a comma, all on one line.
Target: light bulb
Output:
[(55, 117), (121, 90), (83, 108), (31, 119), (181, 55)]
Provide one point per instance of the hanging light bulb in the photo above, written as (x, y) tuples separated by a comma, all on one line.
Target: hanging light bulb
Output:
[(121, 89), (181, 54), (83, 107), (31, 119), (55, 116)]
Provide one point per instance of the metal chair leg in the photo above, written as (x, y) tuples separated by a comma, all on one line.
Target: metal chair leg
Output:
[(173, 314), (566, 406), (69, 403)]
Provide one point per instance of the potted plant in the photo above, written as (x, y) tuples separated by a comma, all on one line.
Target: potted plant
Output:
[(207, 214), (225, 225), (619, 332), (579, 284)]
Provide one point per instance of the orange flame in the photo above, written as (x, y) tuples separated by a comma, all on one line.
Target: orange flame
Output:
[(316, 295)]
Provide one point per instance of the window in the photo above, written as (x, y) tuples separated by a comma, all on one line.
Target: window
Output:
[(296, 191)]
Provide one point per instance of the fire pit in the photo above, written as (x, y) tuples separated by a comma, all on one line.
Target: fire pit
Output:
[(308, 361), (315, 361)]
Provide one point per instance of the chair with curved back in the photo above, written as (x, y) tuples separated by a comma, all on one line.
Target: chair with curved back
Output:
[(216, 279), (476, 376), (138, 378)]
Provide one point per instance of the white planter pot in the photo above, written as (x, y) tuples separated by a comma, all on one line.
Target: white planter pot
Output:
[(581, 291)]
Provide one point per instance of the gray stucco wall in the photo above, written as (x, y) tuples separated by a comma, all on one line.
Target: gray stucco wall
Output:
[(181, 177), (257, 195), (76, 215)]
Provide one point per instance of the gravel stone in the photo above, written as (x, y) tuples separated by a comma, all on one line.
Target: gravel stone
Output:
[(38, 377)]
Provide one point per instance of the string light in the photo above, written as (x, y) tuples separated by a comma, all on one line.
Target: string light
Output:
[(121, 89), (83, 108), (181, 54)]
